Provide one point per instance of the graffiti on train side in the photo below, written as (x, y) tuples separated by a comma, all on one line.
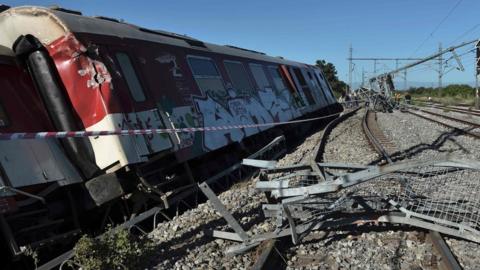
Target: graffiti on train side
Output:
[(185, 117), (279, 104), (267, 107), (237, 109), (146, 120), (225, 106)]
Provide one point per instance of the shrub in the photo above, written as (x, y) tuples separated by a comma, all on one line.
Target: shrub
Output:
[(116, 249), (448, 95)]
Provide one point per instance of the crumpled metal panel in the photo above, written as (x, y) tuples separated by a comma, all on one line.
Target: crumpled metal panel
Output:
[(87, 81)]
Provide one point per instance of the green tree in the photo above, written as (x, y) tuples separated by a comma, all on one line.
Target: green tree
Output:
[(330, 72)]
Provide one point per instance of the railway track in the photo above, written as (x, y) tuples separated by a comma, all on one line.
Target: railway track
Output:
[(456, 109), (460, 125), (271, 255), (273, 250), (377, 139), (383, 146)]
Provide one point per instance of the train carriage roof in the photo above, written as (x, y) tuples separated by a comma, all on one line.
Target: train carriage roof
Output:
[(49, 24)]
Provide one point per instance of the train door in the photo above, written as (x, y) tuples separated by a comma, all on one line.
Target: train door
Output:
[(142, 110)]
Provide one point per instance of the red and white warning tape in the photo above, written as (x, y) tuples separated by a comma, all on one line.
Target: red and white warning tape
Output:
[(130, 132)]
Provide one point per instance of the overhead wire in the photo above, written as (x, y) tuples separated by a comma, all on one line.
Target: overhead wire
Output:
[(437, 27), (431, 66), (465, 34)]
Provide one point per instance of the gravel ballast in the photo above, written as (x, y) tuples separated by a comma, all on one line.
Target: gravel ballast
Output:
[(185, 244)]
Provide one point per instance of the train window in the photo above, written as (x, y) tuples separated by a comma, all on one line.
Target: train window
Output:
[(206, 75), (203, 67), (277, 78), (309, 75), (259, 76), (321, 76), (299, 75), (3, 117), (323, 83), (318, 81), (313, 82), (238, 77), (130, 76), (318, 84)]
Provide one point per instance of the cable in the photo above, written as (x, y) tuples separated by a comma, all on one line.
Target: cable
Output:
[(423, 67), (465, 34), (437, 27)]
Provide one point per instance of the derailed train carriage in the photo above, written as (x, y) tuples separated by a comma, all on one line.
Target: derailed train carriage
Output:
[(61, 71)]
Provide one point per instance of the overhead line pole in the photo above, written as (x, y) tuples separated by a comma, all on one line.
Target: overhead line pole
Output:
[(363, 77), (350, 68), (440, 66), (477, 72)]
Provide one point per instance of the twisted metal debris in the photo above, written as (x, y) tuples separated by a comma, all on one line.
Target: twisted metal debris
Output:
[(438, 195)]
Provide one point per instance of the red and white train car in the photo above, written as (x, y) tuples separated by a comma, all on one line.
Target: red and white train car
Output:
[(63, 71)]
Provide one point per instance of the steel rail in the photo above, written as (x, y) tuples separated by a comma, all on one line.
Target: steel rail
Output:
[(448, 260), (466, 122), (460, 106), (317, 154), (372, 134), (466, 131), (454, 109), (269, 258)]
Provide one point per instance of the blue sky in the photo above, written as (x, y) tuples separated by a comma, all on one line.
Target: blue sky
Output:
[(310, 29)]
